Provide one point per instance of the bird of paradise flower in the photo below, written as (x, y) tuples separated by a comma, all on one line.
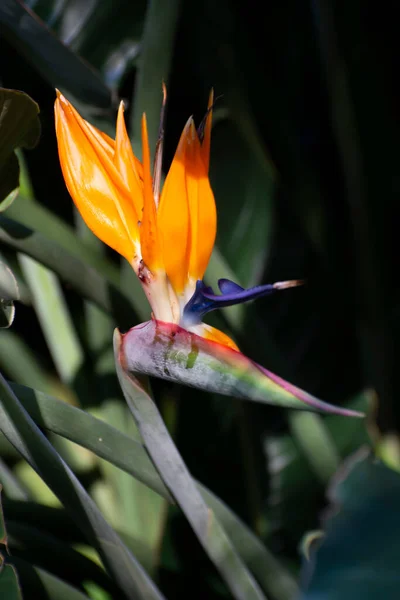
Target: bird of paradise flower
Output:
[(167, 235)]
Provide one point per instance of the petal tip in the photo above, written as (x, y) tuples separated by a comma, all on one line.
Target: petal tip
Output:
[(164, 91), (284, 285)]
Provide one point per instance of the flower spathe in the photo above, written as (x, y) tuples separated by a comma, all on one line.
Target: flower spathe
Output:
[(167, 237)]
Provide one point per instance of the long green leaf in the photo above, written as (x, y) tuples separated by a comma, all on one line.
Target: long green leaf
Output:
[(54, 61), (138, 511), (128, 454), (21, 364), (317, 444), (82, 428), (9, 583), (71, 269), (38, 583), (27, 438), (37, 217), (54, 555), (54, 318), (154, 66), (8, 292), (12, 486), (50, 519)]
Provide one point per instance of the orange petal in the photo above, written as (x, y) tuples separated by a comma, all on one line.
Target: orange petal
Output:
[(173, 217), (103, 140), (206, 144), (126, 162), (149, 239), (203, 215), (93, 181)]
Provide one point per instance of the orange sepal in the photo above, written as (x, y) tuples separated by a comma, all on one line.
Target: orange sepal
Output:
[(127, 164), (149, 238), (173, 216), (104, 140), (203, 214), (92, 180)]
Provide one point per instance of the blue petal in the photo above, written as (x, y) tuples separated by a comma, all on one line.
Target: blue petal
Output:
[(237, 296), (227, 286), (204, 300)]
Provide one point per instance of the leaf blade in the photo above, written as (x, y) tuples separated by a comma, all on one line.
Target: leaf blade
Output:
[(22, 432), (129, 454), (54, 61)]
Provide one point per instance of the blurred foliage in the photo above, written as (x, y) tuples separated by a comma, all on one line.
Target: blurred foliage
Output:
[(362, 518), (304, 167), (19, 126)]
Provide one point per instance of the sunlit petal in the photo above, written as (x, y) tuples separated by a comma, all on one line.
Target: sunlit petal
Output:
[(203, 215), (127, 164), (103, 140), (149, 238), (173, 216), (96, 189)]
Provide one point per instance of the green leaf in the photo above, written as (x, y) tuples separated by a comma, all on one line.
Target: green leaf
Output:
[(358, 556), (8, 292), (50, 519), (9, 199), (9, 180), (37, 217), (19, 127), (154, 65), (7, 313), (297, 478), (11, 485), (3, 534), (54, 318), (83, 428), (37, 583), (9, 583), (78, 272), (46, 551), (167, 351), (19, 123), (311, 433), (8, 283), (58, 65), (34, 447), (128, 454), (138, 511), (177, 478), (111, 49), (21, 363)]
